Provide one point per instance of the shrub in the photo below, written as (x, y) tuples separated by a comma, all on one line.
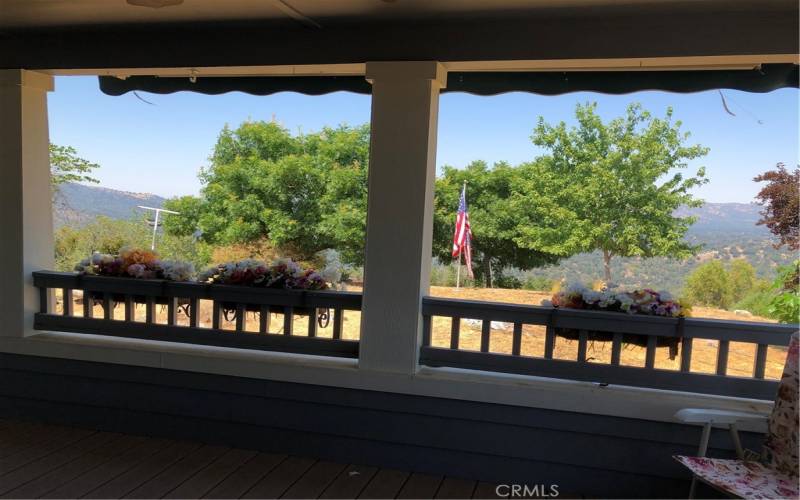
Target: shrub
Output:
[(743, 279), (785, 306), (538, 283), (757, 301), (504, 281), (709, 285)]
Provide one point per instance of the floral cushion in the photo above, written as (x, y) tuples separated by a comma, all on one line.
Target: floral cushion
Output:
[(742, 479), (780, 447)]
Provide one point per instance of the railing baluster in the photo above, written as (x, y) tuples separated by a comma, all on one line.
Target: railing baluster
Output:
[(108, 306), (44, 300), (194, 312), (88, 304), (66, 298), (516, 343), (172, 311), (338, 323), (426, 330), (240, 312), (722, 357), (150, 309), (760, 361), (130, 308), (549, 341), (263, 319), (486, 332), (455, 331), (583, 340), (216, 313), (616, 349), (650, 356), (288, 320), (312, 322), (686, 354)]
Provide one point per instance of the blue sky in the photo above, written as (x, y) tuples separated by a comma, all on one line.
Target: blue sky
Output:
[(159, 148)]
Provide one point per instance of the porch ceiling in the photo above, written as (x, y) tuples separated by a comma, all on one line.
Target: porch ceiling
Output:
[(38, 13), (84, 34)]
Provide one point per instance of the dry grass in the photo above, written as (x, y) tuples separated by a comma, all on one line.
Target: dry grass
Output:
[(704, 352)]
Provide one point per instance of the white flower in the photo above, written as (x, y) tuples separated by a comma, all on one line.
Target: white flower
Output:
[(666, 296), (606, 299), (176, 270), (625, 301), (590, 296)]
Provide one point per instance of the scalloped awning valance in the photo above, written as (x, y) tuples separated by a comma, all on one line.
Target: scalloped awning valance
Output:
[(769, 77)]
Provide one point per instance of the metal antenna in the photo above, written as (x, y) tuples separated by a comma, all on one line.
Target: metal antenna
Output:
[(155, 222)]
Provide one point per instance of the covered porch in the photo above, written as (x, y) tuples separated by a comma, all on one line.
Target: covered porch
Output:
[(407, 393)]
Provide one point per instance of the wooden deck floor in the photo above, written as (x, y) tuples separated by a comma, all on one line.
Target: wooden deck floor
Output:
[(50, 461)]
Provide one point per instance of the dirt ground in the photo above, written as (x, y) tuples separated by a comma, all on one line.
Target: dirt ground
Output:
[(704, 352)]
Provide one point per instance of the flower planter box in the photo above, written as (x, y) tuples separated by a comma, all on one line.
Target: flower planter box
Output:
[(229, 297)]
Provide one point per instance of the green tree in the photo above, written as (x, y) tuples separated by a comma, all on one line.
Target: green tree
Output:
[(781, 201), (106, 235), (612, 186), (67, 166), (742, 277), (709, 285), (302, 193), (499, 210)]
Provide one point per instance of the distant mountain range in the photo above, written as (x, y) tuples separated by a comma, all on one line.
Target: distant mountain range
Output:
[(78, 204), (726, 231)]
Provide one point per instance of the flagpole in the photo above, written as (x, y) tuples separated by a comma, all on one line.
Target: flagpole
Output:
[(458, 271)]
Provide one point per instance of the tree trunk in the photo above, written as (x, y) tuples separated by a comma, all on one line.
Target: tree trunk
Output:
[(487, 271), (607, 266)]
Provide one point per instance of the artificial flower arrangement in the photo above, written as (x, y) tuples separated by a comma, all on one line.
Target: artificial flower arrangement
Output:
[(283, 273), (145, 264), (644, 301), (136, 263)]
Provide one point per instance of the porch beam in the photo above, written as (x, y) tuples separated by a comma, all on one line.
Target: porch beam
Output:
[(26, 215), (405, 106)]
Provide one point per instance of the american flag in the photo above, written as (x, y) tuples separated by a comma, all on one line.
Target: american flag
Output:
[(463, 233)]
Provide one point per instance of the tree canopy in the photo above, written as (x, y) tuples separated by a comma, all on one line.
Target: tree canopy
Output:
[(304, 193), (611, 186), (67, 166), (781, 201), (499, 210)]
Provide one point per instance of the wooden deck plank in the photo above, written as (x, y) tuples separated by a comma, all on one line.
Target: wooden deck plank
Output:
[(485, 490), (274, 484), (16, 438), (174, 475), (28, 436), (138, 475), (71, 470), (420, 486), (385, 484), (48, 463), (315, 480), (53, 443), (200, 484), (242, 479), (453, 487), (350, 482), (96, 477)]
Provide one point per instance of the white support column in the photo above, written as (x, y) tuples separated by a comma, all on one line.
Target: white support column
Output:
[(26, 215), (402, 169)]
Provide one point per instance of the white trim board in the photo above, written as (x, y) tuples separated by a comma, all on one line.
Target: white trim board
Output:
[(451, 383), (743, 62)]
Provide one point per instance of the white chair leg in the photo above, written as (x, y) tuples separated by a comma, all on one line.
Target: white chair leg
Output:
[(701, 452), (736, 442)]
